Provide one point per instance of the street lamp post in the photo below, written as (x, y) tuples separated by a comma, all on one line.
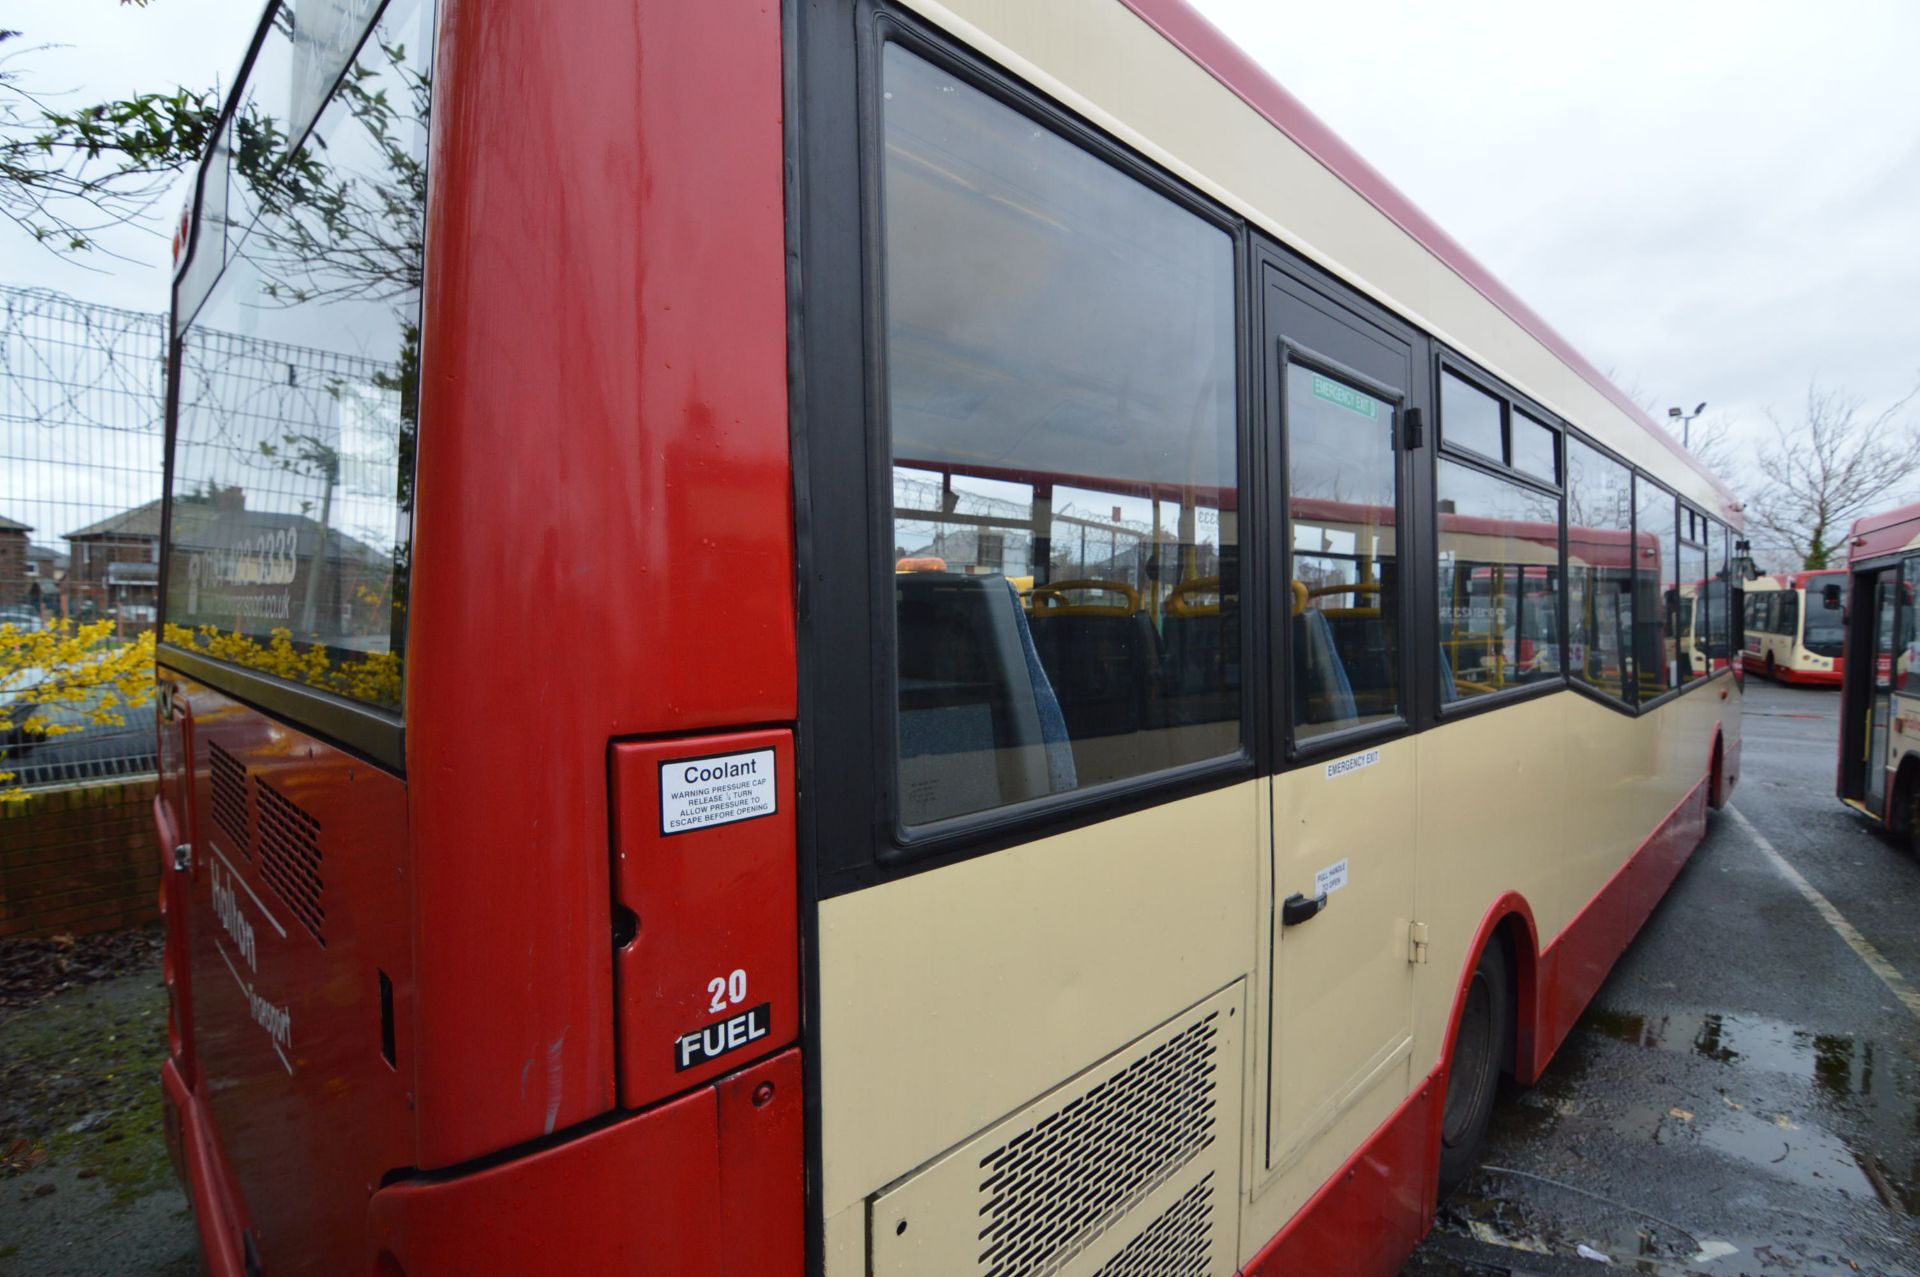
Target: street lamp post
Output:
[(1686, 420)]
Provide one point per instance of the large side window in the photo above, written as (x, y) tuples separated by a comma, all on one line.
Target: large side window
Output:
[(292, 498), (1343, 552), (1599, 570), (1655, 587), (1060, 379), (1499, 583)]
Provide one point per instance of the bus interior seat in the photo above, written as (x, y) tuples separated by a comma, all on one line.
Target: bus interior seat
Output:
[(1200, 656), (980, 724), (1321, 690), (1103, 665)]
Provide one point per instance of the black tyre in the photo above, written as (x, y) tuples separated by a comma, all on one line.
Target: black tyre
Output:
[(1473, 1073)]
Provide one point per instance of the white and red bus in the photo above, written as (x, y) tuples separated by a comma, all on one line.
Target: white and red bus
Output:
[(1793, 627), (1879, 771), (864, 638)]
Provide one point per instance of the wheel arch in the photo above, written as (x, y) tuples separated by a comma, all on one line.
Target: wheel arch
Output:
[(1509, 923)]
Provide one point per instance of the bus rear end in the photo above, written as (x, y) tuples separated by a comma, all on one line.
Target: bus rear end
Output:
[(478, 783)]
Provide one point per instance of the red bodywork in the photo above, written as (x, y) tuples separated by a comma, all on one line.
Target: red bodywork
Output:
[(579, 228)]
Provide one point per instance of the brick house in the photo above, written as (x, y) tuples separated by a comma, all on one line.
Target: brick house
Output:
[(235, 561), (15, 580), (114, 568)]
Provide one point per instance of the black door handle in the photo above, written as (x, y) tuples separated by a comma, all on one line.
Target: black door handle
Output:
[(1296, 908)]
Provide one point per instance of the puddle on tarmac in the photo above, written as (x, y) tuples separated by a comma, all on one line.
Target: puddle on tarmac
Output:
[(1837, 1064)]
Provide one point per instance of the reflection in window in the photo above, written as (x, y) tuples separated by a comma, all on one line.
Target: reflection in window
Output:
[(1655, 587), (298, 387), (1719, 600), (1060, 385), (1499, 580), (1691, 613), (1906, 651), (1341, 535), (1470, 418), (1599, 570), (1534, 450)]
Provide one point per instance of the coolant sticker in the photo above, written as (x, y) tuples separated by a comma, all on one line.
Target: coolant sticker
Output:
[(698, 793), (1341, 767)]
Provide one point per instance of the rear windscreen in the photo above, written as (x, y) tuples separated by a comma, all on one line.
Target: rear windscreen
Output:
[(291, 500)]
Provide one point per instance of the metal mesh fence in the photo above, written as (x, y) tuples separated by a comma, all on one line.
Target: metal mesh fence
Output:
[(81, 436)]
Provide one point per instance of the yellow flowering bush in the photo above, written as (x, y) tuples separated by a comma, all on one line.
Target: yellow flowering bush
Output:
[(65, 678), (68, 676), (368, 676)]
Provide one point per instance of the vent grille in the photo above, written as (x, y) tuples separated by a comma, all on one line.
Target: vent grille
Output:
[(290, 857), (1050, 1189), (229, 797), (1177, 1244)]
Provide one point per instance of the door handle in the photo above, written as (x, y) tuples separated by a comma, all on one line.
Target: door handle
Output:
[(1296, 909)]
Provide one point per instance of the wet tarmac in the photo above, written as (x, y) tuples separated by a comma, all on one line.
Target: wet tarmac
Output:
[(1743, 1097)]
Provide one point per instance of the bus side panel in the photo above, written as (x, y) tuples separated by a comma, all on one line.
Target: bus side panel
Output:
[(604, 529), (301, 965)]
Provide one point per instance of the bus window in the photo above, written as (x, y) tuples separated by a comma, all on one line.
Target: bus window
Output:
[(1907, 646), (1824, 633), (1534, 449), (1344, 556), (1693, 604), (1470, 418), (1655, 594), (1599, 570), (1499, 579), (292, 492), (1060, 364)]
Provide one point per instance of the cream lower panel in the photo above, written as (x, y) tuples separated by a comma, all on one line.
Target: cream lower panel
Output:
[(955, 997), (1548, 798)]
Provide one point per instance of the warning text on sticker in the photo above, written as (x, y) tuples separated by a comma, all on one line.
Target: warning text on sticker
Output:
[(696, 793)]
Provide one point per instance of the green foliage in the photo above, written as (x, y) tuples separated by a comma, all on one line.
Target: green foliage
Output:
[(66, 175)]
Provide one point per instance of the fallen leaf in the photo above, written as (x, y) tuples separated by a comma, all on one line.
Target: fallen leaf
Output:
[(1682, 1114), (1780, 1120), (1731, 1104)]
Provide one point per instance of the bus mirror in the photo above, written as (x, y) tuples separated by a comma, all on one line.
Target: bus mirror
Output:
[(1830, 597)]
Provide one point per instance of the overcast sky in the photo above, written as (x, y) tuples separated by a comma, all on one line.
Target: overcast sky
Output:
[(1717, 201)]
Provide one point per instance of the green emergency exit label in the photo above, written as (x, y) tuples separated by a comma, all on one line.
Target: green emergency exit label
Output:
[(1345, 397)]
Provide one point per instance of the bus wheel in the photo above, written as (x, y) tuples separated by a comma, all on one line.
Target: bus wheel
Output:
[(1473, 1074), (1905, 809), (1773, 674)]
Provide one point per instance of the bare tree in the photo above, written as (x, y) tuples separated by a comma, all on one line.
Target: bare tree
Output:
[(1835, 464)]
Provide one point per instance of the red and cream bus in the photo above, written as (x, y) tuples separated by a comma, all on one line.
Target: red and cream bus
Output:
[(1793, 627), (1880, 701), (864, 638)]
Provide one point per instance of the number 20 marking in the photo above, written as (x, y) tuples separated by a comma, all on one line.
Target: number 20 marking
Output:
[(728, 991)]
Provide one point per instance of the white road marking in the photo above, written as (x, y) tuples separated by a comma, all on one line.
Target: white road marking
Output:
[(1875, 960)]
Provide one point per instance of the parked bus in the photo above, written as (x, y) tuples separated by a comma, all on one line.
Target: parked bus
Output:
[(1794, 633), (622, 814), (1879, 771)]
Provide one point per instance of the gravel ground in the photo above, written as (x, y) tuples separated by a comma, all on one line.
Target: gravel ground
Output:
[(85, 1184)]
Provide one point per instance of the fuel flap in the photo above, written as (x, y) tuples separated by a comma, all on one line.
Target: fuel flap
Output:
[(707, 947)]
